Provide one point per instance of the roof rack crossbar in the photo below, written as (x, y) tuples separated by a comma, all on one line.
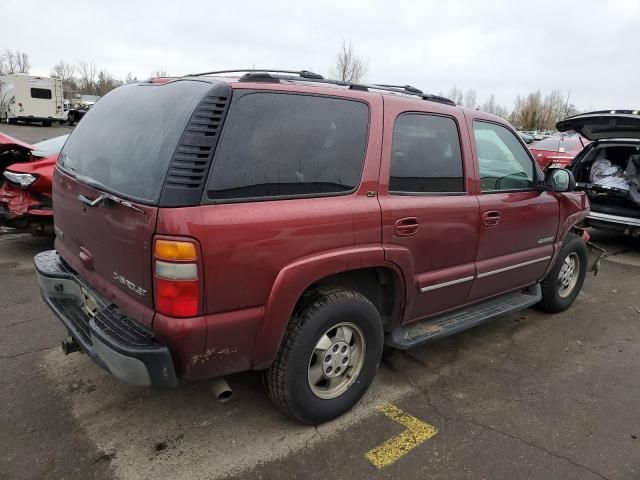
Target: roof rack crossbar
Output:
[(264, 74)]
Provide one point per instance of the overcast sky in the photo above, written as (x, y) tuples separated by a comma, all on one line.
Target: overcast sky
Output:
[(510, 48)]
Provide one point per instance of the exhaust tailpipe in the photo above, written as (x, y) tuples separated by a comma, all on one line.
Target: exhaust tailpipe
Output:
[(221, 389)]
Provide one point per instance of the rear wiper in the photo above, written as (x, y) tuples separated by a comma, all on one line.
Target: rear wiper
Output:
[(104, 199)]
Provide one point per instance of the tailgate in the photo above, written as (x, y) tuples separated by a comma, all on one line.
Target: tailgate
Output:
[(108, 244), (136, 144)]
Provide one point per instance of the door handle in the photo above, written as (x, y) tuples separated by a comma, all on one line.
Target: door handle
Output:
[(491, 218), (407, 226)]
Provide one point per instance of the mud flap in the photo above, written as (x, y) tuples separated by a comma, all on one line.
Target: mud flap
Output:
[(594, 253)]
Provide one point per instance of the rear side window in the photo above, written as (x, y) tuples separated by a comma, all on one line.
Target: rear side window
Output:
[(426, 156), (41, 93), (283, 145), (125, 142)]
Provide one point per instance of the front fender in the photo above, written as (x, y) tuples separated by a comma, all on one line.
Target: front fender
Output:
[(294, 279), (574, 208)]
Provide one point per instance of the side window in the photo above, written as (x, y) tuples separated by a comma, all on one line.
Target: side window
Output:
[(285, 145), (41, 93), (426, 156), (504, 163)]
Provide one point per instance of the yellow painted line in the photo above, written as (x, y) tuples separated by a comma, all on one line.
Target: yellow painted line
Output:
[(395, 448)]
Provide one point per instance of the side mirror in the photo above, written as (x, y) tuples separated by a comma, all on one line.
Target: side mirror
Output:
[(559, 180)]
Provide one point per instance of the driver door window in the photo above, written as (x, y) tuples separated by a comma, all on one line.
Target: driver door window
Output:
[(504, 163)]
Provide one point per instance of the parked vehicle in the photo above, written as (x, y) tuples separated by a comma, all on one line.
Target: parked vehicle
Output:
[(557, 152), (526, 137), (282, 222), (28, 98), (74, 115), (25, 184), (608, 169)]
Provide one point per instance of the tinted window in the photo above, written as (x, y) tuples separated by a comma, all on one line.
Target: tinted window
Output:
[(504, 162), (280, 145), (41, 93), (426, 155), (127, 139)]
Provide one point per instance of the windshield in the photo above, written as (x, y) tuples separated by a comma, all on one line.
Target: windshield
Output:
[(125, 143)]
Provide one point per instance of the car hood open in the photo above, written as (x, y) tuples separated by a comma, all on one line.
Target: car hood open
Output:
[(604, 124)]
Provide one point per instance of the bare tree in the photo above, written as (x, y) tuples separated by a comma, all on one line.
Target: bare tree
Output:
[(106, 82), (130, 78), (65, 72), (470, 99), (456, 95), (490, 106), (348, 66), (535, 112), (159, 73), (15, 62), (87, 77)]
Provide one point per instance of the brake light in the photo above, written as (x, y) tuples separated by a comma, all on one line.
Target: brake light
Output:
[(176, 281)]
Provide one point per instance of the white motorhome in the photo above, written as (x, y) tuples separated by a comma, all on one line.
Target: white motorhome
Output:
[(31, 98)]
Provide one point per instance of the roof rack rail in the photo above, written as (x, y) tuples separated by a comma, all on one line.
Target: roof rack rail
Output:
[(264, 75), (300, 73), (407, 88)]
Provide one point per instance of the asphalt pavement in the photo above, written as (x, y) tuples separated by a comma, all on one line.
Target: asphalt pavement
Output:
[(529, 395)]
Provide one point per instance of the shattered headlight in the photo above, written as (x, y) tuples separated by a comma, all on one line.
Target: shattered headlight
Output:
[(22, 179)]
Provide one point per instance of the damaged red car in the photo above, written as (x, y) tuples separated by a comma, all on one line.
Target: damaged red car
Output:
[(25, 184)]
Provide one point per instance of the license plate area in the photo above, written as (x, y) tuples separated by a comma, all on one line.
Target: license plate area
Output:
[(89, 304)]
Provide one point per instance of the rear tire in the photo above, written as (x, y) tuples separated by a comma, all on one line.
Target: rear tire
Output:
[(328, 357), (564, 281), (70, 120)]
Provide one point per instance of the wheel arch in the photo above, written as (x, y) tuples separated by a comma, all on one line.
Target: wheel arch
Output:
[(363, 269)]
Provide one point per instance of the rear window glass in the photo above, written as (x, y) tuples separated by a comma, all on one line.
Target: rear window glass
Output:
[(285, 145), (557, 144), (126, 141), (41, 93)]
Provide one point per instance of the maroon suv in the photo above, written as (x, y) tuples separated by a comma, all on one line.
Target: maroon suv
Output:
[(274, 221)]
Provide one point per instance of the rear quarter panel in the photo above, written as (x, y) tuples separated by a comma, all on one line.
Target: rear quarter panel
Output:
[(251, 250)]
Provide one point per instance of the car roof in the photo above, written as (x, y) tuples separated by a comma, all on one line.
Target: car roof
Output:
[(305, 81), (304, 77)]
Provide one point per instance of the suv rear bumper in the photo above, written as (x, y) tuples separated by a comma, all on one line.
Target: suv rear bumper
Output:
[(112, 340)]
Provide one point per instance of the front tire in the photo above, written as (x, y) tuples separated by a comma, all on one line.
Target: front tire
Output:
[(328, 357), (564, 281)]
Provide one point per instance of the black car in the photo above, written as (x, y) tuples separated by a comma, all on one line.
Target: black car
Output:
[(608, 168)]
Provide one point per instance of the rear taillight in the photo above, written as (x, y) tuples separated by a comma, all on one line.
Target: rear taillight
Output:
[(176, 278)]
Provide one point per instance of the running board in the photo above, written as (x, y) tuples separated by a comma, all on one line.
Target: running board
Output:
[(419, 333)]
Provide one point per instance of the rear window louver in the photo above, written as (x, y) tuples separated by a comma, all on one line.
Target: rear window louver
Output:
[(191, 161)]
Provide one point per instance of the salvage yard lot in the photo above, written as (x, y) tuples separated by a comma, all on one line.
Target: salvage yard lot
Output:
[(529, 395)]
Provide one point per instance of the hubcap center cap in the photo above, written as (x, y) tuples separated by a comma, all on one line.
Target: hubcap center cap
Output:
[(336, 359)]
